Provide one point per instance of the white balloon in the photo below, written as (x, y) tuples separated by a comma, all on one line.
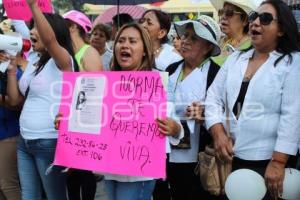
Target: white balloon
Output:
[(245, 184), (291, 184)]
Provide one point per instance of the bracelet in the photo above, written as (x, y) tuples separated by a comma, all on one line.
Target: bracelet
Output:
[(278, 161)]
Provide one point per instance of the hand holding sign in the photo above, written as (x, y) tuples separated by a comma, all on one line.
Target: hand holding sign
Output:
[(18, 9), (168, 126), (116, 131)]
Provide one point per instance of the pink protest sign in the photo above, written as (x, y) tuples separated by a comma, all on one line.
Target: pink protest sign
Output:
[(18, 9), (109, 123)]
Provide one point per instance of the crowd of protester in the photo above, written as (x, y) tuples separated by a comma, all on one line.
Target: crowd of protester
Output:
[(246, 64)]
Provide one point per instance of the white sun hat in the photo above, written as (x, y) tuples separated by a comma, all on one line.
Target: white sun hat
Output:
[(206, 28), (245, 5)]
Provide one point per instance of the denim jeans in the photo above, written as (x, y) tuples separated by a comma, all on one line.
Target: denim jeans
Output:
[(139, 190), (34, 158)]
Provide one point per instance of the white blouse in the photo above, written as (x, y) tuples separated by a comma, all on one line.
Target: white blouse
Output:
[(270, 117), (184, 93)]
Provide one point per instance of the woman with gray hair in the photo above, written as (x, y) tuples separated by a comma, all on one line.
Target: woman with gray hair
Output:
[(188, 82)]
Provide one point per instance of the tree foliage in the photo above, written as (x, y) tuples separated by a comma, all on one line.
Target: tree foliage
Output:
[(67, 4)]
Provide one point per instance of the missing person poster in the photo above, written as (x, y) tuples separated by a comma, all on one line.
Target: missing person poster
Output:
[(86, 104), (109, 123)]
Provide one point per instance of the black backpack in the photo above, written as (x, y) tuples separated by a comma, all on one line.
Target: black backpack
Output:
[(205, 137)]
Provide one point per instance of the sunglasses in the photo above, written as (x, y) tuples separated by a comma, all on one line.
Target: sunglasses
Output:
[(228, 12), (264, 18)]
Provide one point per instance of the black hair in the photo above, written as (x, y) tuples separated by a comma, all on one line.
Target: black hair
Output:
[(289, 42), (124, 18), (80, 29), (31, 24), (103, 28), (164, 21), (62, 34)]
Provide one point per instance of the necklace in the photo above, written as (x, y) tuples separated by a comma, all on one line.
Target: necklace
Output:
[(157, 51)]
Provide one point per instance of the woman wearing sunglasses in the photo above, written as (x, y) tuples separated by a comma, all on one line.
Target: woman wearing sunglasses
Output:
[(233, 16), (260, 86)]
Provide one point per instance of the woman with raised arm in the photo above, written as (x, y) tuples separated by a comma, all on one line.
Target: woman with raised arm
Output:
[(40, 90)]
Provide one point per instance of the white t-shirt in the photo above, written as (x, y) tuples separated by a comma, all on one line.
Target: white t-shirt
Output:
[(42, 102)]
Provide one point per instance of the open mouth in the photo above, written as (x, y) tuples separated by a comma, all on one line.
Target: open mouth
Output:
[(223, 23), (255, 32), (125, 55)]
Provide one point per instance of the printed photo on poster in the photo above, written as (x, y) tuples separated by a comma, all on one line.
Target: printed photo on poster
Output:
[(81, 100), (86, 107)]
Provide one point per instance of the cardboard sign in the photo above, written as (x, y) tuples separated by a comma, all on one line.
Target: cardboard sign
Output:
[(18, 9), (109, 123)]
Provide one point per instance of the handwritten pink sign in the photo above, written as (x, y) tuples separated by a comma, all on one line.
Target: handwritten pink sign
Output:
[(109, 123), (18, 9)]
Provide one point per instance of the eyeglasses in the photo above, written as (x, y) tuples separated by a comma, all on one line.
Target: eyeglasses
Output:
[(264, 18), (228, 12)]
